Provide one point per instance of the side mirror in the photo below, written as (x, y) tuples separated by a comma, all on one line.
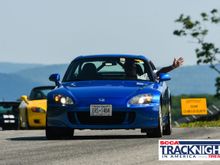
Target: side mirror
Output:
[(24, 98), (164, 77), (55, 78)]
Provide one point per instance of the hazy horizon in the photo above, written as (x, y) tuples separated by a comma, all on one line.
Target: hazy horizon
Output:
[(67, 63), (55, 32)]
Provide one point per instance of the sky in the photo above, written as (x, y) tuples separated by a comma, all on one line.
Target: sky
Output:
[(57, 31)]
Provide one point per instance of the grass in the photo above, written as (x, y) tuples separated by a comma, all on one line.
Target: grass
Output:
[(214, 123)]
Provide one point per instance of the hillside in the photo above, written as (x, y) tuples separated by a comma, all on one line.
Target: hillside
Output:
[(13, 86), (185, 80), (41, 74), (6, 67), (193, 80)]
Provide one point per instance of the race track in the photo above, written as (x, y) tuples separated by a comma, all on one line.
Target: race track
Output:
[(93, 147)]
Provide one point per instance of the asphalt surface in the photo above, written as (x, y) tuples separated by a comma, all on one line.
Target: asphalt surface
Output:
[(116, 147)]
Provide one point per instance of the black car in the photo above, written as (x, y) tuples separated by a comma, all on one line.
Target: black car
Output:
[(9, 115)]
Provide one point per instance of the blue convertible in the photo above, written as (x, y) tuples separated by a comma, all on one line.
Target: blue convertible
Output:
[(109, 92)]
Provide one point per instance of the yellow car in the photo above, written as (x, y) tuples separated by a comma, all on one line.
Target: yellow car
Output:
[(32, 110)]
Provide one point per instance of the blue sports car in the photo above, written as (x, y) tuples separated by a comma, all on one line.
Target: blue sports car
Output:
[(109, 92)]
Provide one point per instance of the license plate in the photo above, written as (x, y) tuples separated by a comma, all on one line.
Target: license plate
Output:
[(101, 110)]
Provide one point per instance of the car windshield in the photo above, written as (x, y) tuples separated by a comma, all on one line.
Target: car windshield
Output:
[(108, 68), (39, 93), (7, 108)]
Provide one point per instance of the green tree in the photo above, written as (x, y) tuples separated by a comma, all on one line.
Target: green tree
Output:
[(206, 52)]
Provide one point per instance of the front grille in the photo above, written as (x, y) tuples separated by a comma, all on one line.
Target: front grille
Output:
[(116, 118)]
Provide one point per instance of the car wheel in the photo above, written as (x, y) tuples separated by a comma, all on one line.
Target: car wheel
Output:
[(168, 126), (19, 124), (53, 133), (156, 132), (27, 126), (3, 128)]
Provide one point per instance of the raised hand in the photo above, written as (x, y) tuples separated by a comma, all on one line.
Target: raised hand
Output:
[(177, 62)]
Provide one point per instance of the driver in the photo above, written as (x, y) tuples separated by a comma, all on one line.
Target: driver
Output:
[(130, 69)]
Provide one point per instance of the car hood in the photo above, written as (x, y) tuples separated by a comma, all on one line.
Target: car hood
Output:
[(107, 89)]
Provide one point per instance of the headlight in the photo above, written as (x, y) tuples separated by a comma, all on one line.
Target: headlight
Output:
[(142, 99), (37, 109), (64, 100)]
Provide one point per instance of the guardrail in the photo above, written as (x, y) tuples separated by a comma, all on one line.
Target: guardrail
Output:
[(213, 113)]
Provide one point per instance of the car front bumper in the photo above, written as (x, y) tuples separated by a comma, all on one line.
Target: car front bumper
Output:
[(122, 118), (36, 119)]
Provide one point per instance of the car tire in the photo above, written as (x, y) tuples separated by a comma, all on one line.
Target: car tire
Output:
[(156, 132), (18, 125), (168, 126), (53, 133), (27, 122)]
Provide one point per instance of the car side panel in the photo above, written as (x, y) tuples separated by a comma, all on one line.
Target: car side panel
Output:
[(37, 119)]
